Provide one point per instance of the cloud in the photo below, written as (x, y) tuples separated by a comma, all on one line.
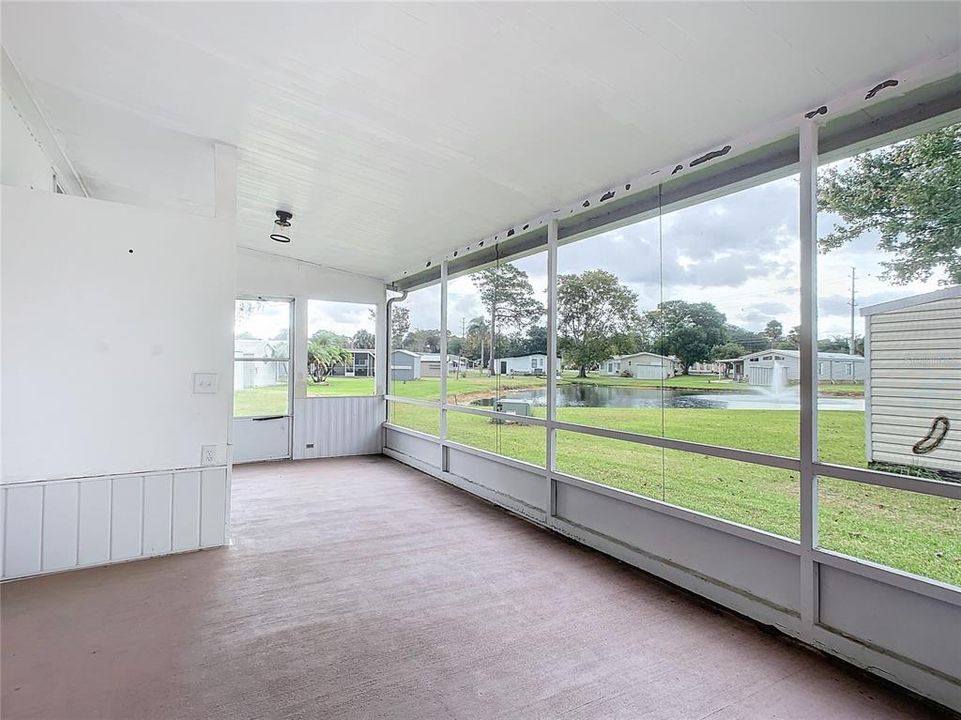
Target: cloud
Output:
[(771, 308)]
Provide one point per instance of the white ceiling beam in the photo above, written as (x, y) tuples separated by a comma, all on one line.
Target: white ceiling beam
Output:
[(13, 85)]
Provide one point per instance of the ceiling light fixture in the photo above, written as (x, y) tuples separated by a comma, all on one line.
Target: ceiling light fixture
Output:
[(281, 233)]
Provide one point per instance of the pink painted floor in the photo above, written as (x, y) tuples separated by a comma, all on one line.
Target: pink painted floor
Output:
[(359, 588)]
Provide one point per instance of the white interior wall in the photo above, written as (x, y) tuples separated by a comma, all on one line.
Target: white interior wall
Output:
[(101, 344)]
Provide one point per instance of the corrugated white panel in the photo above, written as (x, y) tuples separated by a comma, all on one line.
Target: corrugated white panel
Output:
[(157, 513), (126, 515), (24, 511), (337, 426), (186, 511), (94, 518), (60, 509), (213, 504)]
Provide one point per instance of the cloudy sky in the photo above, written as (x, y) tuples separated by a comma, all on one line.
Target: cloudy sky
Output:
[(738, 252), (269, 318)]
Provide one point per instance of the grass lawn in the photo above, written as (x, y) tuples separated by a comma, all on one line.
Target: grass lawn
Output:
[(912, 532)]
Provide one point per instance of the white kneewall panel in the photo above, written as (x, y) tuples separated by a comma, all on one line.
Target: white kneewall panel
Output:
[(64, 524), (24, 524), (213, 507), (336, 426), (94, 522), (186, 511), (61, 507), (157, 513)]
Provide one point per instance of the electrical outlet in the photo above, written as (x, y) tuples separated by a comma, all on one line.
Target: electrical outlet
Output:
[(208, 455)]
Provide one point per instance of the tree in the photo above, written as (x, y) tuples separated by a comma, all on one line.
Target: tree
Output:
[(427, 341), (363, 339), (773, 331), (324, 350), (596, 314), (910, 193), (728, 350), (793, 339), (688, 331), (399, 323), (507, 295), (841, 344), (477, 332)]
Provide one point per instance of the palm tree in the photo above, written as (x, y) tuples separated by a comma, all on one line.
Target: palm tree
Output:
[(479, 330), (323, 352)]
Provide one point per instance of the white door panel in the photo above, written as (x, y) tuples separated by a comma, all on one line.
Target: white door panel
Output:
[(261, 439)]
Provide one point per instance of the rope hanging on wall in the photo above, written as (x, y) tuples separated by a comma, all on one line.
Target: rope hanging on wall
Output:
[(930, 442)]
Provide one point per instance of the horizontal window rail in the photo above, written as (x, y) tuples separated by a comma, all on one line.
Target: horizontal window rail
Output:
[(937, 488), (413, 401), (410, 431), (494, 415), (745, 532), (261, 359), (748, 456), (856, 566), (890, 576), (926, 486)]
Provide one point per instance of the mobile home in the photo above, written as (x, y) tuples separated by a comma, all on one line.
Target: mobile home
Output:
[(644, 365)]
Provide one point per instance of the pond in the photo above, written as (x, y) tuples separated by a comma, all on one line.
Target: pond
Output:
[(581, 395)]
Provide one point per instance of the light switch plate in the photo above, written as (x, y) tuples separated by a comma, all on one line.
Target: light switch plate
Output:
[(206, 383)]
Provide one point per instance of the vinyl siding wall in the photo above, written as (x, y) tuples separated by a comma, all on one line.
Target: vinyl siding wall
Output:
[(915, 376)]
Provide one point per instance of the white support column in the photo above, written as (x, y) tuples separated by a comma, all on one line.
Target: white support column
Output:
[(298, 335), (807, 231), (552, 368), (443, 364), (381, 347), (225, 182)]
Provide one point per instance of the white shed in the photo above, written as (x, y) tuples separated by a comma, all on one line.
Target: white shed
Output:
[(535, 364), (913, 346), (644, 365), (404, 365)]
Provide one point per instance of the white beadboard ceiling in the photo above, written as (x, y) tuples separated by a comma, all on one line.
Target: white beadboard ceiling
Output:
[(396, 132)]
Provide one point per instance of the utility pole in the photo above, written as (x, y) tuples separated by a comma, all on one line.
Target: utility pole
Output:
[(463, 339), (851, 341)]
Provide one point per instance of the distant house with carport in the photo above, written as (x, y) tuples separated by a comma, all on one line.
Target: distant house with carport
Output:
[(768, 368), (641, 365), (913, 387)]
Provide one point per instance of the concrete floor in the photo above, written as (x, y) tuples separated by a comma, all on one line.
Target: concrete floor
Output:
[(359, 588)]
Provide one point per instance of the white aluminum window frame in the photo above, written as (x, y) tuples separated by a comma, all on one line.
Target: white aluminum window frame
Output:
[(808, 464)]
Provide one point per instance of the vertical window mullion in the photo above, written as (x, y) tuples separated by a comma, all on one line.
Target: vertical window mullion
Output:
[(550, 460), (807, 234)]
